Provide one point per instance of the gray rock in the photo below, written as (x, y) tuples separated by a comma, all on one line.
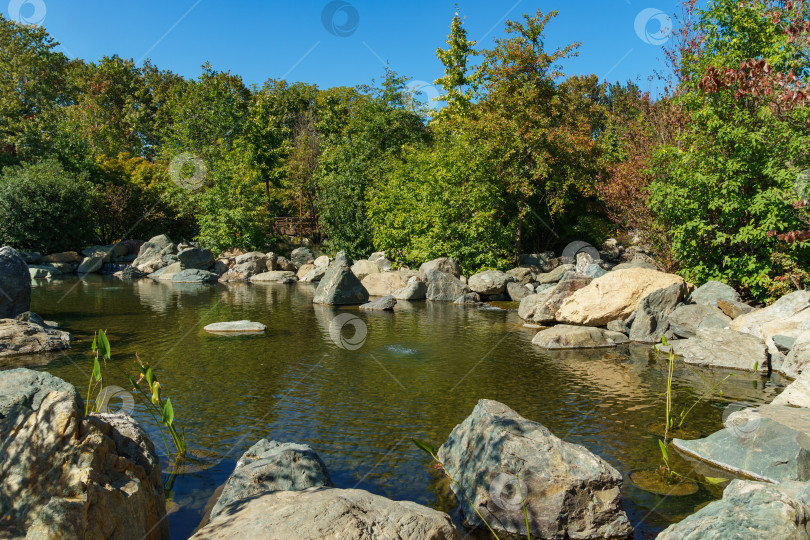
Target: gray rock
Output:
[(725, 349), (636, 264), (194, 275), (593, 271), (563, 336), (316, 274), (323, 261), (243, 271), (271, 466), (542, 307), (196, 259), (687, 320), (31, 317), (15, 284), (769, 443), (489, 282), (750, 510), (45, 271), (91, 265), (712, 291), (323, 512), (442, 264), (253, 256), (651, 321), (31, 257), (341, 259), (618, 326), (130, 272), (555, 275), (798, 357), (795, 305), (386, 303), (522, 275), (518, 291), (301, 256), (414, 290), (276, 276), (784, 343), (611, 250), (66, 476), (540, 260), (569, 492), (285, 265), (151, 254), (733, 309), (443, 287), (796, 393), (240, 327), (21, 337), (339, 286), (469, 298)]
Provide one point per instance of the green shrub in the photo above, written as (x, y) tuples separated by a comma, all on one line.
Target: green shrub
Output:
[(43, 208)]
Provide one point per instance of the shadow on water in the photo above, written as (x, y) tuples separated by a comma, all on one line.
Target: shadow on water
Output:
[(417, 373)]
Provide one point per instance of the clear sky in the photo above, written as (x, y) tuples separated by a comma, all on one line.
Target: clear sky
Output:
[(343, 42)]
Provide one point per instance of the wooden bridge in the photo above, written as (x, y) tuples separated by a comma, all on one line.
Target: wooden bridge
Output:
[(296, 226)]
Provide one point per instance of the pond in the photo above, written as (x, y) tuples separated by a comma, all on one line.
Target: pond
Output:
[(416, 372)]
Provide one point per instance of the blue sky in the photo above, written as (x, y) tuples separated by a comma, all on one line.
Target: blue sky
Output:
[(343, 42)]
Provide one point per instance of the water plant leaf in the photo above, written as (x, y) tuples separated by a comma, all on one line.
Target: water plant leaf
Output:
[(168, 412), (149, 375), (756, 366), (425, 447), (156, 393), (714, 480), (663, 450), (94, 347), (103, 344), (96, 370)]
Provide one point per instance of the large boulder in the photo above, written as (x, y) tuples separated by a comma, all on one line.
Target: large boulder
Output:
[(687, 320), (315, 274), (196, 258), (22, 337), (721, 348), (796, 393), (15, 284), (542, 307), (243, 271), (710, 292), (443, 287), (91, 265), (323, 512), (364, 267), (65, 475), (442, 264), (518, 291), (651, 321), (770, 443), (749, 510), (383, 284), (64, 257), (271, 466), (794, 306), (413, 290), (489, 282), (301, 256), (340, 286), (568, 491), (151, 254), (613, 296), (563, 336)]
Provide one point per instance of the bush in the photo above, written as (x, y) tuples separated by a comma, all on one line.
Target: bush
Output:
[(43, 208)]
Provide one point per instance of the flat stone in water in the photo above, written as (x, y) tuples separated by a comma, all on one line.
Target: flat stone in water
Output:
[(651, 480), (235, 327)]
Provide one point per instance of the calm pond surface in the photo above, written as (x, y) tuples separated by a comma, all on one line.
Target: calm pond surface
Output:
[(419, 372)]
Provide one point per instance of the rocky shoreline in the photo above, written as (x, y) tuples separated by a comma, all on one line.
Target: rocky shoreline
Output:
[(595, 299)]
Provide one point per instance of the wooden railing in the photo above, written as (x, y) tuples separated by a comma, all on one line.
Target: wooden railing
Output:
[(295, 226)]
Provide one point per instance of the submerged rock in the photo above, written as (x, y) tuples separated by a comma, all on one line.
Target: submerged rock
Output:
[(564, 336), (750, 510), (339, 286), (386, 303), (323, 512), (270, 466), (235, 327), (568, 491), (67, 476)]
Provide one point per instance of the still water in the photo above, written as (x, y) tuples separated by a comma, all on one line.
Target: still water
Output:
[(419, 372)]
